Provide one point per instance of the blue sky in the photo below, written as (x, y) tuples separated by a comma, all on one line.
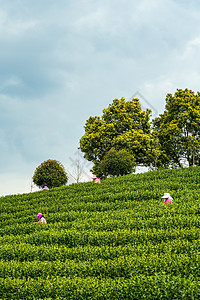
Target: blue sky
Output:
[(64, 61)]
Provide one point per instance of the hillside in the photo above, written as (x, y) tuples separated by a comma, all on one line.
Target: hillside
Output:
[(110, 241)]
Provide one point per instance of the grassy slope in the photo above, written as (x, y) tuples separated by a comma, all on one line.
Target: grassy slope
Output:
[(110, 241)]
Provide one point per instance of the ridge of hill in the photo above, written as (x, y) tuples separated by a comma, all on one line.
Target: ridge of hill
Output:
[(113, 240)]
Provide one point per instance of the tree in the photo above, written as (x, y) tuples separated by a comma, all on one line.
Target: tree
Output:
[(79, 168), (178, 129), (117, 163), (78, 171), (50, 173), (123, 125)]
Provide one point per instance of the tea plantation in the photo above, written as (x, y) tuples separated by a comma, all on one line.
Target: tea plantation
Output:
[(113, 240)]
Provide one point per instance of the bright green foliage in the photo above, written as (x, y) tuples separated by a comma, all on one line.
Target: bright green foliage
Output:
[(123, 125), (117, 163), (50, 173), (178, 129), (114, 240)]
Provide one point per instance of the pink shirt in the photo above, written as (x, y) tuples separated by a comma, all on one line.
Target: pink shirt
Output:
[(43, 221), (167, 201)]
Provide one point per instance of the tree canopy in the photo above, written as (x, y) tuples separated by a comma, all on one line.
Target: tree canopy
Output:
[(178, 129), (50, 173), (116, 163), (123, 125), (170, 140)]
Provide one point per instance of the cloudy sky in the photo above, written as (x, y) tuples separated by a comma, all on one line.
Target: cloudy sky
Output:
[(64, 61)]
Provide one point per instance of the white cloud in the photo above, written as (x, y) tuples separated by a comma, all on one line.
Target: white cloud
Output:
[(13, 81), (94, 20), (192, 49), (11, 27), (13, 183)]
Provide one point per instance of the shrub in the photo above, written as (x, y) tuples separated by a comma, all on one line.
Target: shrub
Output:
[(50, 173), (117, 163)]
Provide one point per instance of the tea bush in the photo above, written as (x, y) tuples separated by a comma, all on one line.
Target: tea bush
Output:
[(110, 241)]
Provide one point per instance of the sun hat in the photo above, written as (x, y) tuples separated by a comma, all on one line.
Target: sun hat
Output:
[(39, 216), (166, 196)]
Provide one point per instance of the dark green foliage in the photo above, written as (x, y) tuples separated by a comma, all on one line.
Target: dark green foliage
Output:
[(50, 173), (117, 163)]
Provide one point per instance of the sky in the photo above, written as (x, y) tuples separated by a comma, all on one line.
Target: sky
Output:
[(66, 60)]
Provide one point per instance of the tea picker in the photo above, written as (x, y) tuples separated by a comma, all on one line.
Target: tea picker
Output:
[(95, 179), (41, 219), (45, 188), (167, 199)]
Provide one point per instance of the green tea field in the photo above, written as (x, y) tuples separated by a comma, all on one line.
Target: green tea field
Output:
[(114, 240)]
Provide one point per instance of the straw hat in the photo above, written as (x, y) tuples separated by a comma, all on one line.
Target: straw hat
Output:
[(166, 196)]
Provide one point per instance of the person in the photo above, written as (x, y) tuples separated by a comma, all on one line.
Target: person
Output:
[(167, 198), (41, 219), (97, 180), (45, 188)]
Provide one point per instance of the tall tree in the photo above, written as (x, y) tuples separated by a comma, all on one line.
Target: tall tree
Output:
[(178, 129), (123, 125)]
